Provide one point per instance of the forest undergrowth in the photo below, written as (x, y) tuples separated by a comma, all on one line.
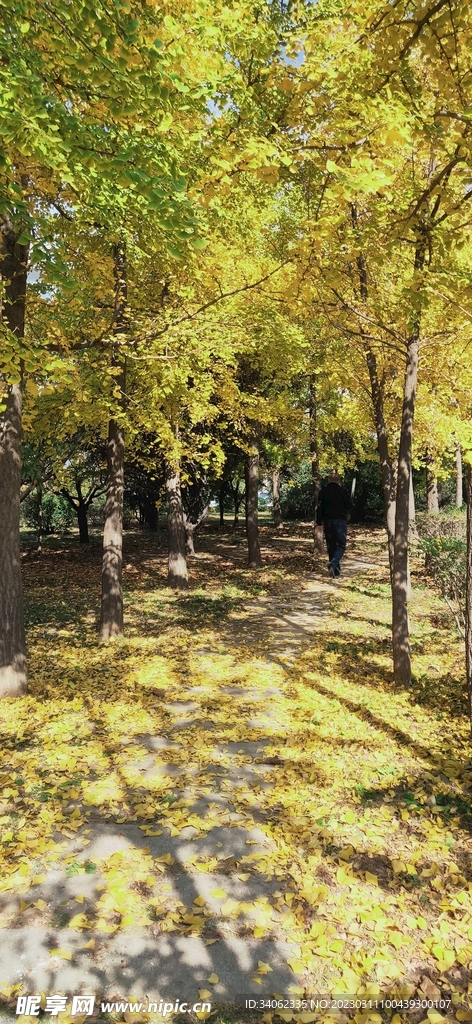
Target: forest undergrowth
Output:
[(366, 804)]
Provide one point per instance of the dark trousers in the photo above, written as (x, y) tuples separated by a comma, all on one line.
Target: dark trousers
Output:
[(335, 531)]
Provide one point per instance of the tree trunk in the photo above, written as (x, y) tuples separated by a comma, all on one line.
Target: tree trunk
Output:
[(411, 503), (315, 469), (221, 502), (111, 621), (82, 520), (459, 494), (432, 496), (468, 596), (276, 507), (400, 625), (111, 618), (176, 534), (39, 532), (377, 394), (252, 516), (150, 515), (386, 466), (237, 498), (189, 540), (13, 677)]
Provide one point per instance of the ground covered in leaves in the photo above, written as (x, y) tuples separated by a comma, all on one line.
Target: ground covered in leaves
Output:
[(273, 788)]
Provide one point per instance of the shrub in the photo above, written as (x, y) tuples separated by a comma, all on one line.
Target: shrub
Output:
[(442, 538), (57, 515)]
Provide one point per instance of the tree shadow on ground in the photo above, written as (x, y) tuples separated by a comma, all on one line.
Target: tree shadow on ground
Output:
[(166, 723)]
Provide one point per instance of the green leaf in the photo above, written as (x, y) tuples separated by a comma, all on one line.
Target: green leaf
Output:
[(179, 184), (175, 252)]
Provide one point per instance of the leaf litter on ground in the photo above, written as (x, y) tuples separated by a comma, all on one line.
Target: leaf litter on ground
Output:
[(360, 794)]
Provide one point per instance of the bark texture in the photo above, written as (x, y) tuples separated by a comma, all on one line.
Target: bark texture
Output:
[(400, 589), (252, 516), (276, 506), (468, 607), (314, 460), (432, 494), (111, 616), (111, 620), (13, 678), (82, 522), (13, 675), (386, 466), (459, 491), (176, 534), (377, 394)]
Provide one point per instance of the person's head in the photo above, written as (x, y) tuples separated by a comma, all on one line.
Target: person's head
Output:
[(334, 477)]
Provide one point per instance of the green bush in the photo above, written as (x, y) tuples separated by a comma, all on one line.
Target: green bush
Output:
[(57, 515), (442, 538)]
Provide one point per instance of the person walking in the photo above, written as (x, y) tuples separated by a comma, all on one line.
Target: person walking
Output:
[(332, 513)]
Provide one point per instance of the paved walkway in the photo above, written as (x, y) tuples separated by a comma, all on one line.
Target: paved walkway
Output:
[(218, 900)]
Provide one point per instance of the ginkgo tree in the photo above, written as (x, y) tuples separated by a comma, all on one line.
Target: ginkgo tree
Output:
[(96, 134), (388, 179)]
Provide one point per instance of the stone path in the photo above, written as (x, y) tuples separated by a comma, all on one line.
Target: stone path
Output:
[(168, 964)]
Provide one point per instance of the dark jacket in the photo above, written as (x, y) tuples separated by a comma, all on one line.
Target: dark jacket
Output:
[(333, 503)]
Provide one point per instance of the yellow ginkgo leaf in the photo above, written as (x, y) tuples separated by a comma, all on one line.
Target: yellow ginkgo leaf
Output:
[(213, 979), (296, 965), (263, 968), (64, 954)]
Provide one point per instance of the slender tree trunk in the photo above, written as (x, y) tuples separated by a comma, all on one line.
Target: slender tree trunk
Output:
[(176, 538), (189, 538), (39, 535), (411, 503), (459, 494), (314, 459), (13, 676), (386, 467), (237, 498), (432, 496), (377, 393), (400, 625), (151, 516), (221, 501), (13, 679), (468, 597), (252, 516), (82, 521), (111, 617), (111, 621), (276, 506)]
